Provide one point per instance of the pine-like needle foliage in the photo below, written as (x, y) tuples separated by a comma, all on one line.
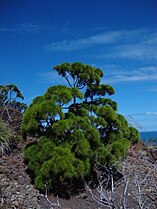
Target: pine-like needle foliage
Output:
[(76, 130)]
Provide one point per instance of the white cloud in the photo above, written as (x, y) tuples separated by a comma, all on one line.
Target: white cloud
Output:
[(143, 121), (127, 44), (151, 113), (140, 115), (153, 89), (151, 39), (139, 45), (23, 27), (132, 51), (140, 74), (50, 78), (100, 39)]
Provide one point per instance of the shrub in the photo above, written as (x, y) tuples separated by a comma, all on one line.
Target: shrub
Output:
[(74, 135), (51, 163), (6, 137)]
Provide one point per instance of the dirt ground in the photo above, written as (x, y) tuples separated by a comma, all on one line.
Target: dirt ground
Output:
[(13, 167), (140, 158)]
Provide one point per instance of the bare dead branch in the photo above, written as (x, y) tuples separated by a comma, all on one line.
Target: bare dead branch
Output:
[(138, 185), (57, 204)]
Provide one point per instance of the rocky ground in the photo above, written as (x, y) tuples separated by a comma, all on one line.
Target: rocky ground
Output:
[(17, 192)]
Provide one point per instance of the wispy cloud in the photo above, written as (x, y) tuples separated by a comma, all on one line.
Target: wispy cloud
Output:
[(23, 28), (153, 89), (137, 51), (50, 78), (143, 114), (151, 113), (104, 38), (143, 121), (127, 44), (139, 74), (137, 45), (112, 46)]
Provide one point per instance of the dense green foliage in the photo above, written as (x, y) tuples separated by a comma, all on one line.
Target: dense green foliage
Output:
[(76, 129)]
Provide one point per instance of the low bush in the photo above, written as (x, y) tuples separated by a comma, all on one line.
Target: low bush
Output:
[(6, 137)]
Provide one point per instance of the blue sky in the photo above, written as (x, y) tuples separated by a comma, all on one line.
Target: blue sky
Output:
[(118, 36)]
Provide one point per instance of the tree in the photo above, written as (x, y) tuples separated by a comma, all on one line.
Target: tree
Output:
[(76, 129), (11, 108), (9, 95), (79, 75)]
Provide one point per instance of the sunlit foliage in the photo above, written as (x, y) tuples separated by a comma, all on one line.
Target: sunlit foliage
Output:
[(76, 129)]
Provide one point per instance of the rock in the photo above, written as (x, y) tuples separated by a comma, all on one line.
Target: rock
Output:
[(83, 195), (153, 154), (16, 190)]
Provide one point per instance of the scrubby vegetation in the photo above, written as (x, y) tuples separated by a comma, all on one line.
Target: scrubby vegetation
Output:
[(6, 136), (10, 96), (11, 109), (77, 127)]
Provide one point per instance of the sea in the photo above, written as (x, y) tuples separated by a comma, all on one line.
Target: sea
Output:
[(149, 137)]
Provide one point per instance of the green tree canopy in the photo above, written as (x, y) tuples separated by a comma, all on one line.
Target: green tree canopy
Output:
[(79, 75), (76, 129), (9, 96)]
